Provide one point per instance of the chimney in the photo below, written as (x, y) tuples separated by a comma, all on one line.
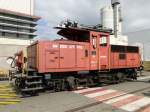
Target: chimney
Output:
[(117, 17)]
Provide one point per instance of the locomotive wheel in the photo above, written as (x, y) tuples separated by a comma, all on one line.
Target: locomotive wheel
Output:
[(117, 78), (120, 77), (71, 83), (90, 81), (57, 86), (113, 79), (134, 75), (17, 82)]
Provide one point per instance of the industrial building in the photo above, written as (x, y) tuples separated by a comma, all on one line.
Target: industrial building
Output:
[(137, 38), (17, 27)]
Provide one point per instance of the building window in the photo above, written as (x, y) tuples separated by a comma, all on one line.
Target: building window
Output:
[(1, 34), (13, 25), (1, 21), (24, 30), (10, 28), (10, 22), (23, 36), (10, 35)]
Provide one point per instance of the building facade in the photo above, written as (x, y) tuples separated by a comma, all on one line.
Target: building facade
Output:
[(17, 27), (22, 6)]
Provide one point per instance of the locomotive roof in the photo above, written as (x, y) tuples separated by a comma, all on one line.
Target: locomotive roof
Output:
[(69, 31)]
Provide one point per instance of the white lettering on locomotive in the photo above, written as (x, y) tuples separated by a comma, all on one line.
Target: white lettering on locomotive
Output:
[(71, 46), (55, 46), (63, 46), (79, 47)]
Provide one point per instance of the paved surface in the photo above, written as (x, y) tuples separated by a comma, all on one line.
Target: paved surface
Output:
[(57, 102), (119, 99), (65, 101)]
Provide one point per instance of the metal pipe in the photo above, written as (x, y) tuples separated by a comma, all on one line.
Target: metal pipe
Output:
[(117, 18)]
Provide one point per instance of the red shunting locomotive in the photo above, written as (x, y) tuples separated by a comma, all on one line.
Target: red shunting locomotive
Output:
[(83, 58)]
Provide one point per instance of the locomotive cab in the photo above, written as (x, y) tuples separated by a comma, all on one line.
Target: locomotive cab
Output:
[(98, 45)]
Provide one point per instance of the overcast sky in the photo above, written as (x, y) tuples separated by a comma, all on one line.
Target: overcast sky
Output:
[(136, 14)]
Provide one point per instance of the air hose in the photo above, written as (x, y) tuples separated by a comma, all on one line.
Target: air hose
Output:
[(13, 61)]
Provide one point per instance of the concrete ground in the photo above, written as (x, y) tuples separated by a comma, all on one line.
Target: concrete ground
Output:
[(56, 102), (64, 101)]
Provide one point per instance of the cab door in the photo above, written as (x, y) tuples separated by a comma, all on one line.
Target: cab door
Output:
[(80, 56), (104, 53), (94, 50)]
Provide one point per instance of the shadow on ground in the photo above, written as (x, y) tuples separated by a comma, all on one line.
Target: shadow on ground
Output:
[(147, 94)]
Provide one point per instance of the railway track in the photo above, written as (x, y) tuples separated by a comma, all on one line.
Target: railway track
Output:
[(108, 99)]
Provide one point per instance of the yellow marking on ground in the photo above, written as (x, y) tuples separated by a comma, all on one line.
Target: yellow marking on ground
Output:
[(3, 86), (7, 95), (13, 100), (7, 103), (7, 92), (13, 95), (6, 89)]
